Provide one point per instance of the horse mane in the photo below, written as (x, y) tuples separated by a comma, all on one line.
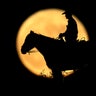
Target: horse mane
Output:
[(42, 36)]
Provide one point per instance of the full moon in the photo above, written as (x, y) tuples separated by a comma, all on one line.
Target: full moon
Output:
[(48, 22)]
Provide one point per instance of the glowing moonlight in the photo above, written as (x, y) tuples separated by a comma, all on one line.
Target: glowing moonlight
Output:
[(48, 22)]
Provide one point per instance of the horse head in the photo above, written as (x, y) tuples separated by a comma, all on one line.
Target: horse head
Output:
[(29, 42)]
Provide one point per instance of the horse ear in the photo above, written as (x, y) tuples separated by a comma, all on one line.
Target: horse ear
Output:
[(31, 32)]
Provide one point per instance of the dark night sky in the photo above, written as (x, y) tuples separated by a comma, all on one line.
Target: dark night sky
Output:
[(16, 12)]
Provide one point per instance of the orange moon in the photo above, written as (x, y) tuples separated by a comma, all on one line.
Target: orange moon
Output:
[(48, 22)]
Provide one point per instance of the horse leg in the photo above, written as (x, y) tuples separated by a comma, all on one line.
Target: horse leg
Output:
[(57, 76)]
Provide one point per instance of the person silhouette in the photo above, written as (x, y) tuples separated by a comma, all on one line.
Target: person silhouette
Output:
[(72, 31)]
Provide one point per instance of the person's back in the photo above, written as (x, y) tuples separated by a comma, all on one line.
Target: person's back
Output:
[(72, 31)]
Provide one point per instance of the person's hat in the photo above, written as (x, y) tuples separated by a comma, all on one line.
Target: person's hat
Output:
[(67, 12)]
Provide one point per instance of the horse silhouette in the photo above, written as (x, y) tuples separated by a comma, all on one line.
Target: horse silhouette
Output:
[(59, 56)]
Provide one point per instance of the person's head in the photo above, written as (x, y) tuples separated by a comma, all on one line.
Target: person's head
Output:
[(68, 14)]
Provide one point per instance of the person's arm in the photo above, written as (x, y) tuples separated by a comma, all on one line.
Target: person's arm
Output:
[(61, 35)]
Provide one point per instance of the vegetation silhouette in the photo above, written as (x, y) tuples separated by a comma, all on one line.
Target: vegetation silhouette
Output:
[(59, 56)]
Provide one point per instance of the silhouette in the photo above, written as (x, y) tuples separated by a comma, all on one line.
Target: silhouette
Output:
[(58, 55), (72, 31)]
